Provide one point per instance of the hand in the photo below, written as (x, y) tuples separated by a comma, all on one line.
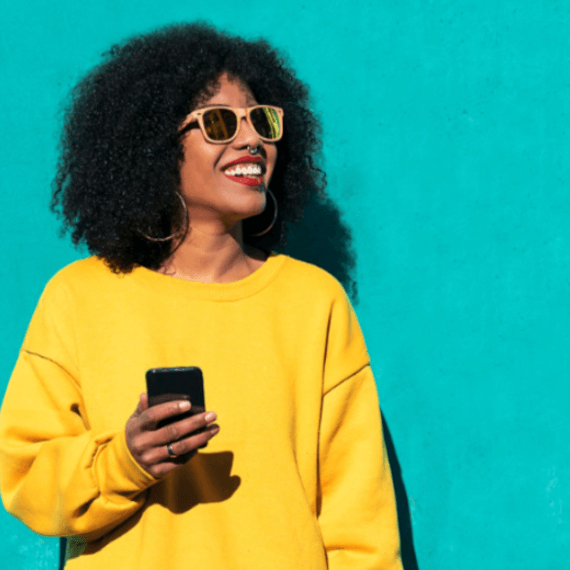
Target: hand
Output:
[(147, 444)]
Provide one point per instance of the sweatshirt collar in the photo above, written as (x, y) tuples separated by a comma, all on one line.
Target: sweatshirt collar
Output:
[(250, 285)]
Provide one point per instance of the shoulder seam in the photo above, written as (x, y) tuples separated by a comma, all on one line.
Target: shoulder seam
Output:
[(32, 353), (347, 378)]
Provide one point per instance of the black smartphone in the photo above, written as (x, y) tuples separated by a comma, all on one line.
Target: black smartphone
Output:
[(180, 383)]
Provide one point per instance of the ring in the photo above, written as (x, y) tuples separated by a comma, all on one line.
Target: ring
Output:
[(170, 452)]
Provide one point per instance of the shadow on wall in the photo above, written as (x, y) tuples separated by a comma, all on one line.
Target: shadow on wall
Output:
[(409, 560), (322, 238), (62, 548)]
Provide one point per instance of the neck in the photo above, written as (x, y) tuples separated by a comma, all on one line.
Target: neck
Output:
[(210, 255)]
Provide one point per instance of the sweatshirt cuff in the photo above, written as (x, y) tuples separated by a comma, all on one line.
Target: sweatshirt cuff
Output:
[(118, 472)]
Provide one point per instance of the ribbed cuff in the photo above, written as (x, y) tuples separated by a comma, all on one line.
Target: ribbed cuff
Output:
[(118, 472)]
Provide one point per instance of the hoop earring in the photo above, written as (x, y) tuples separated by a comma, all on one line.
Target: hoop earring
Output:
[(275, 211), (183, 224)]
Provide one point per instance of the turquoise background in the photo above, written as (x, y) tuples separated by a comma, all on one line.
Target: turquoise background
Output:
[(446, 144)]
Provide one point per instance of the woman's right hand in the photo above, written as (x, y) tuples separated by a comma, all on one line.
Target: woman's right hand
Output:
[(147, 444)]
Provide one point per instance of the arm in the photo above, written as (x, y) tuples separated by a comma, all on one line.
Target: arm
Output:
[(56, 475), (59, 476), (357, 512)]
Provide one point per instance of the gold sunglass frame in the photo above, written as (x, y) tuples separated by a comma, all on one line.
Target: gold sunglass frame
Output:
[(197, 117)]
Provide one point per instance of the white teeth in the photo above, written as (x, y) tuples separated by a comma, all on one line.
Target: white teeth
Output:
[(249, 170)]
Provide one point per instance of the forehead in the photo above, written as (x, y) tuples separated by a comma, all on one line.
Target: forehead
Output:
[(226, 90)]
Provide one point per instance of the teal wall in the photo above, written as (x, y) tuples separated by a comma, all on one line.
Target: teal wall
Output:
[(446, 143)]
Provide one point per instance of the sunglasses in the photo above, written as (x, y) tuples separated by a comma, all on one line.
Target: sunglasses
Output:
[(221, 125)]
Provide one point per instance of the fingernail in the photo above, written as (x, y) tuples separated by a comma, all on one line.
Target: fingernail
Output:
[(184, 406), (210, 417)]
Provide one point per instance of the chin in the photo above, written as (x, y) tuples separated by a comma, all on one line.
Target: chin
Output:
[(255, 206)]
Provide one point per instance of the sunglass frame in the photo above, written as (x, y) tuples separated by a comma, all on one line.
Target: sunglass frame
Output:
[(197, 116)]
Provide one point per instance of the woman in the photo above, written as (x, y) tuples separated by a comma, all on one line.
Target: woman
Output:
[(169, 149)]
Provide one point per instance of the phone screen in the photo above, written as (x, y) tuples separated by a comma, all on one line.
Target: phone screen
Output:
[(179, 383)]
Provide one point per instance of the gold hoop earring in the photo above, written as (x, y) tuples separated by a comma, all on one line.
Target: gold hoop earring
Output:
[(182, 226), (275, 211)]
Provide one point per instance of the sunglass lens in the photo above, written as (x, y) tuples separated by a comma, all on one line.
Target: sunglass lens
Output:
[(220, 124), (266, 122)]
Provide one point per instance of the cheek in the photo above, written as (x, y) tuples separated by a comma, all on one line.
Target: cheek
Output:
[(199, 161), (271, 160), (190, 174)]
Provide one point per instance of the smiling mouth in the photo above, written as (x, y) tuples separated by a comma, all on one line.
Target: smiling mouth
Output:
[(250, 174), (249, 170)]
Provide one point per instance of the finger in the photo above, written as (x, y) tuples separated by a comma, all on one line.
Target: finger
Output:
[(133, 423), (141, 406), (155, 414), (190, 444), (180, 429)]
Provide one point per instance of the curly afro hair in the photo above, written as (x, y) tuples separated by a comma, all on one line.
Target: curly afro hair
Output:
[(118, 172)]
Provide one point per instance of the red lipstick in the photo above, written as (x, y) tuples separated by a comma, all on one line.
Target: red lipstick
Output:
[(247, 180), (243, 159)]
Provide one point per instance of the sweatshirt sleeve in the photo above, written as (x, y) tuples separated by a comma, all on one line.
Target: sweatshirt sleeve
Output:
[(56, 475), (357, 512)]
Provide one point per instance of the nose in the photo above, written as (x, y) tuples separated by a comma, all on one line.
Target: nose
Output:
[(246, 136)]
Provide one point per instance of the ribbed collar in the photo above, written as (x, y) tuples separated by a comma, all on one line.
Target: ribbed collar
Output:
[(252, 284)]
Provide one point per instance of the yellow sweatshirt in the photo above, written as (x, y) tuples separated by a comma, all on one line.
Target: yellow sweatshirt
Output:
[(296, 479)]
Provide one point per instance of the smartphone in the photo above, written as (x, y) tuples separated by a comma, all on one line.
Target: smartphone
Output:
[(180, 383)]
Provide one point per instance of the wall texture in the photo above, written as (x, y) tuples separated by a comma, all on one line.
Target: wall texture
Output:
[(446, 139)]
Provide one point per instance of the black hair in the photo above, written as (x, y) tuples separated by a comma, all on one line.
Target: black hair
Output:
[(118, 172)]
